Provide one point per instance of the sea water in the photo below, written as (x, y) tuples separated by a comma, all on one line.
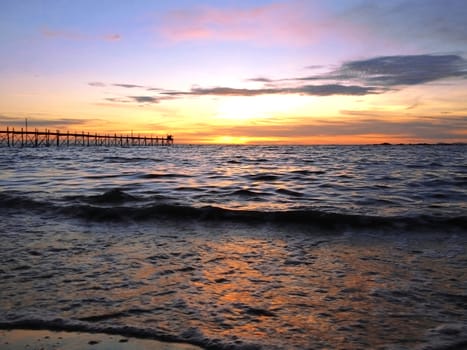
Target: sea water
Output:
[(238, 247)]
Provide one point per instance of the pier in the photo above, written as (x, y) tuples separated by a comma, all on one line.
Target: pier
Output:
[(47, 138)]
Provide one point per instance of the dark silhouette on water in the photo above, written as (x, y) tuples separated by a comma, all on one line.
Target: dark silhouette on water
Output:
[(47, 138)]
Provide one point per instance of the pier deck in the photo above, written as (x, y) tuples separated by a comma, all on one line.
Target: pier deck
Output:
[(24, 138)]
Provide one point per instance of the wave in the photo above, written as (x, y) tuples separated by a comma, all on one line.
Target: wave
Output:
[(246, 193), (289, 192), (192, 336), (443, 336), (163, 175), (119, 159), (114, 195), (262, 177), (37, 320), (117, 206), (308, 172)]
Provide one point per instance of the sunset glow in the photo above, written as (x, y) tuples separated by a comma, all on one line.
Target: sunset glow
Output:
[(247, 72)]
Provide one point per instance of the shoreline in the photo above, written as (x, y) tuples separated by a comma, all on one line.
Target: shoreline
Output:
[(16, 339)]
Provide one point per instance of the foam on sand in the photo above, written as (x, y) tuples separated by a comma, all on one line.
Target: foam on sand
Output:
[(42, 339)]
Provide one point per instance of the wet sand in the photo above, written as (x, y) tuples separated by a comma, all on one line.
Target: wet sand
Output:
[(47, 340)]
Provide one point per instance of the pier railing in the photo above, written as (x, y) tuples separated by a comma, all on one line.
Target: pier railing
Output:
[(24, 138)]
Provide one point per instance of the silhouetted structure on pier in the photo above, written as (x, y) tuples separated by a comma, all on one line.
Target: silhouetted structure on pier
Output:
[(23, 138)]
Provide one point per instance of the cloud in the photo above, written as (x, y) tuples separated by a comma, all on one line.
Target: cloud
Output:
[(308, 90), (425, 128), (261, 80), (5, 118), (336, 89), (129, 86), (133, 86), (118, 100), (370, 76), (133, 99), (311, 90), (41, 122), (74, 36), (112, 37), (393, 71), (62, 34), (353, 78), (284, 23), (418, 23), (145, 99), (96, 84), (125, 86), (404, 70)]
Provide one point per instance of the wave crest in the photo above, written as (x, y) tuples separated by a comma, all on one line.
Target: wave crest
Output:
[(117, 206)]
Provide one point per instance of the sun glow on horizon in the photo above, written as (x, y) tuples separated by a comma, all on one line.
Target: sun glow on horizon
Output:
[(230, 140), (237, 73)]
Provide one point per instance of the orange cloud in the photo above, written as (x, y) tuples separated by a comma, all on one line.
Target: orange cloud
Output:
[(336, 130)]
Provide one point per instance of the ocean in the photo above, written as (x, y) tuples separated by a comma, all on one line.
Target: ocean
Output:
[(238, 247)]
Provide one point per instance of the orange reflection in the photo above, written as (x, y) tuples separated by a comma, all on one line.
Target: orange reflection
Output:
[(285, 289)]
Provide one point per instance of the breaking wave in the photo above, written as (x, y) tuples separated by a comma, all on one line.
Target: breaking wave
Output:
[(118, 206), (191, 335)]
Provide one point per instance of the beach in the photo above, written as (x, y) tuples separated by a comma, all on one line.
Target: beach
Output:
[(233, 175), (43, 339)]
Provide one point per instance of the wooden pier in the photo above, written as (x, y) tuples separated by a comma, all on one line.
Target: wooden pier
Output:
[(24, 138)]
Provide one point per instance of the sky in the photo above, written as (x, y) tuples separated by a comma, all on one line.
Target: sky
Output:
[(255, 72)]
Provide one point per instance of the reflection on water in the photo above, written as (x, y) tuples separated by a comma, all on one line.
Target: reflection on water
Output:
[(239, 284)]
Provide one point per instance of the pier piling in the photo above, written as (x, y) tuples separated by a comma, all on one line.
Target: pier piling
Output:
[(10, 137)]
